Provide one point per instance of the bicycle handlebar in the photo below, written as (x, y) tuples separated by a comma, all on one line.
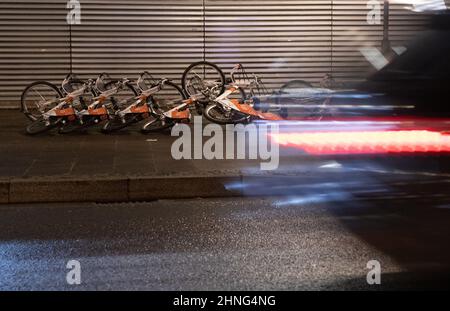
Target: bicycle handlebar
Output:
[(144, 75), (239, 69), (235, 70), (87, 85), (100, 83), (65, 84)]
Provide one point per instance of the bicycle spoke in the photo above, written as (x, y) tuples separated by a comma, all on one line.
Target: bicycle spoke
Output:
[(39, 94), (196, 74)]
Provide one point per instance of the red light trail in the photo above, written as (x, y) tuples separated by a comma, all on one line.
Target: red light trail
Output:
[(366, 142)]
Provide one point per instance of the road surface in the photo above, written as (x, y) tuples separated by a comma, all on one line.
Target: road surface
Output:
[(227, 244)]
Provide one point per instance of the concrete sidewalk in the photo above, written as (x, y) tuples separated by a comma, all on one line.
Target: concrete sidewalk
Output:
[(129, 166)]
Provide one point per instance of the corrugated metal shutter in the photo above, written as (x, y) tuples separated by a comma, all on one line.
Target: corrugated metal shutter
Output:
[(34, 45), (124, 38), (298, 39), (280, 40), (115, 36), (352, 32)]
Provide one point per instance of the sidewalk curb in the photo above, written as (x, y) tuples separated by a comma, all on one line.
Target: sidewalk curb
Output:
[(141, 189), (36, 191), (4, 192), (115, 190), (131, 189)]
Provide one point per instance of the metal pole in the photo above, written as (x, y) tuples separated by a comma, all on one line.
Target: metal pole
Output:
[(204, 37), (70, 47), (386, 44), (204, 31), (332, 42)]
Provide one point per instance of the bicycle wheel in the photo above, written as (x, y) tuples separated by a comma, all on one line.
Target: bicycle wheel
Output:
[(293, 93), (157, 124), (39, 97), (69, 127), (123, 98), (40, 126), (203, 77), (82, 101), (117, 124), (167, 98), (216, 114)]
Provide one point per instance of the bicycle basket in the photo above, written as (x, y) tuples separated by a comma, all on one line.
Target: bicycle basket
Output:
[(241, 78), (71, 83), (102, 81), (146, 81)]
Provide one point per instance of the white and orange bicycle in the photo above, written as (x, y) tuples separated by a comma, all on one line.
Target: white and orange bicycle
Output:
[(231, 107), (180, 113), (308, 102), (109, 97), (84, 104), (52, 112), (235, 106), (154, 96)]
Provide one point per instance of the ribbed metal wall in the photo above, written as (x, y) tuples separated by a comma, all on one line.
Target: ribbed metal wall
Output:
[(124, 37), (34, 45), (351, 32), (285, 40), (278, 39)]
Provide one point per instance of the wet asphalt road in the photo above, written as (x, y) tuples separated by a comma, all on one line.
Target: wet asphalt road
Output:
[(227, 244)]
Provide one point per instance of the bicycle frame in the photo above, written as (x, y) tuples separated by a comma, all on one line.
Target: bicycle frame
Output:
[(97, 108), (255, 83), (242, 79), (199, 84), (244, 108), (182, 111), (58, 111), (141, 105)]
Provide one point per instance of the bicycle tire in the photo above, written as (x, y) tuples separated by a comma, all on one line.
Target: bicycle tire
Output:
[(235, 118), (39, 126), (116, 124), (128, 85), (298, 84), (23, 106), (207, 111), (177, 88), (157, 125), (185, 73), (70, 127)]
